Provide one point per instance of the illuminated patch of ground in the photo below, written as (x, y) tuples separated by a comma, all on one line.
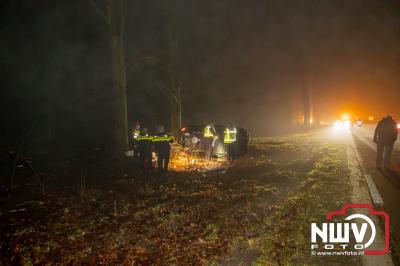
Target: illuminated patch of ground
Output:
[(185, 160)]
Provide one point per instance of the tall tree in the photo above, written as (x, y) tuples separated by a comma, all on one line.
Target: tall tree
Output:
[(113, 12), (175, 83), (306, 106)]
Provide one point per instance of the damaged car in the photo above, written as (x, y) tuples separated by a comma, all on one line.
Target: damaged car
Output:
[(191, 137)]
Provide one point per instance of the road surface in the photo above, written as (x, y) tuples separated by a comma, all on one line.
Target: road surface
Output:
[(387, 182)]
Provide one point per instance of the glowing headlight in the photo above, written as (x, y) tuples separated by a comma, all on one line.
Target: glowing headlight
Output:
[(345, 117), (338, 125)]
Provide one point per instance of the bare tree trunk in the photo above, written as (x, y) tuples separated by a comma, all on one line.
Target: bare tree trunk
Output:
[(120, 105), (306, 107), (176, 110), (114, 12), (316, 107), (175, 82)]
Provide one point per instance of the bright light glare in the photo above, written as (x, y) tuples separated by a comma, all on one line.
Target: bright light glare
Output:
[(345, 117), (340, 125), (398, 125)]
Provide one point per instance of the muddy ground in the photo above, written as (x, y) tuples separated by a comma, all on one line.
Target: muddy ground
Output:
[(256, 212)]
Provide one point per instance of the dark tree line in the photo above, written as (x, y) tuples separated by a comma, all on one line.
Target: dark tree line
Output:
[(89, 69)]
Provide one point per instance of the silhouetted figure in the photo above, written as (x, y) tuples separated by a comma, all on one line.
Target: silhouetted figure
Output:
[(144, 145), (385, 136), (209, 139), (230, 135), (134, 136), (163, 149)]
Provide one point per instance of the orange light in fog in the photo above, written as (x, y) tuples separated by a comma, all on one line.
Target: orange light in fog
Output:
[(370, 118), (345, 117)]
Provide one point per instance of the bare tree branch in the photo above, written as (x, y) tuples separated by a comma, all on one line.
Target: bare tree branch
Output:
[(101, 12), (21, 145)]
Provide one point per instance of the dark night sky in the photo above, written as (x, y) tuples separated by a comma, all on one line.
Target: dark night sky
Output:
[(242, 61)]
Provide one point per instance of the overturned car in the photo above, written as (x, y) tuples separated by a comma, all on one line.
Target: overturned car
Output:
[(191, 137)]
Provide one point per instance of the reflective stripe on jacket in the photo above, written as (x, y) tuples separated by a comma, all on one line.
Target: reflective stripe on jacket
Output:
[(164, 138), (144, 137)]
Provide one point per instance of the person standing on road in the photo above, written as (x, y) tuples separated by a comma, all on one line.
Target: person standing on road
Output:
[(385, 135)]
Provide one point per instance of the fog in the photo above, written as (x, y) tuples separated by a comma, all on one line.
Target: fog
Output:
[(247, 62)]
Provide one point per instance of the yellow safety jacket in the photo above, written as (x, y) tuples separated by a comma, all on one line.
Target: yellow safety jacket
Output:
[(135, 134), (229, 135), (207, 132)]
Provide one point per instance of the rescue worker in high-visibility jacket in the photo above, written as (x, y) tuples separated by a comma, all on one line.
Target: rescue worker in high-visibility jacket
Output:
[(144, 145), (134, 136), (209, 138), (163, 149), (230, 135)]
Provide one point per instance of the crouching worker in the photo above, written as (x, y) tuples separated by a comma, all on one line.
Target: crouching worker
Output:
[(163, 149), (144, 145)]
